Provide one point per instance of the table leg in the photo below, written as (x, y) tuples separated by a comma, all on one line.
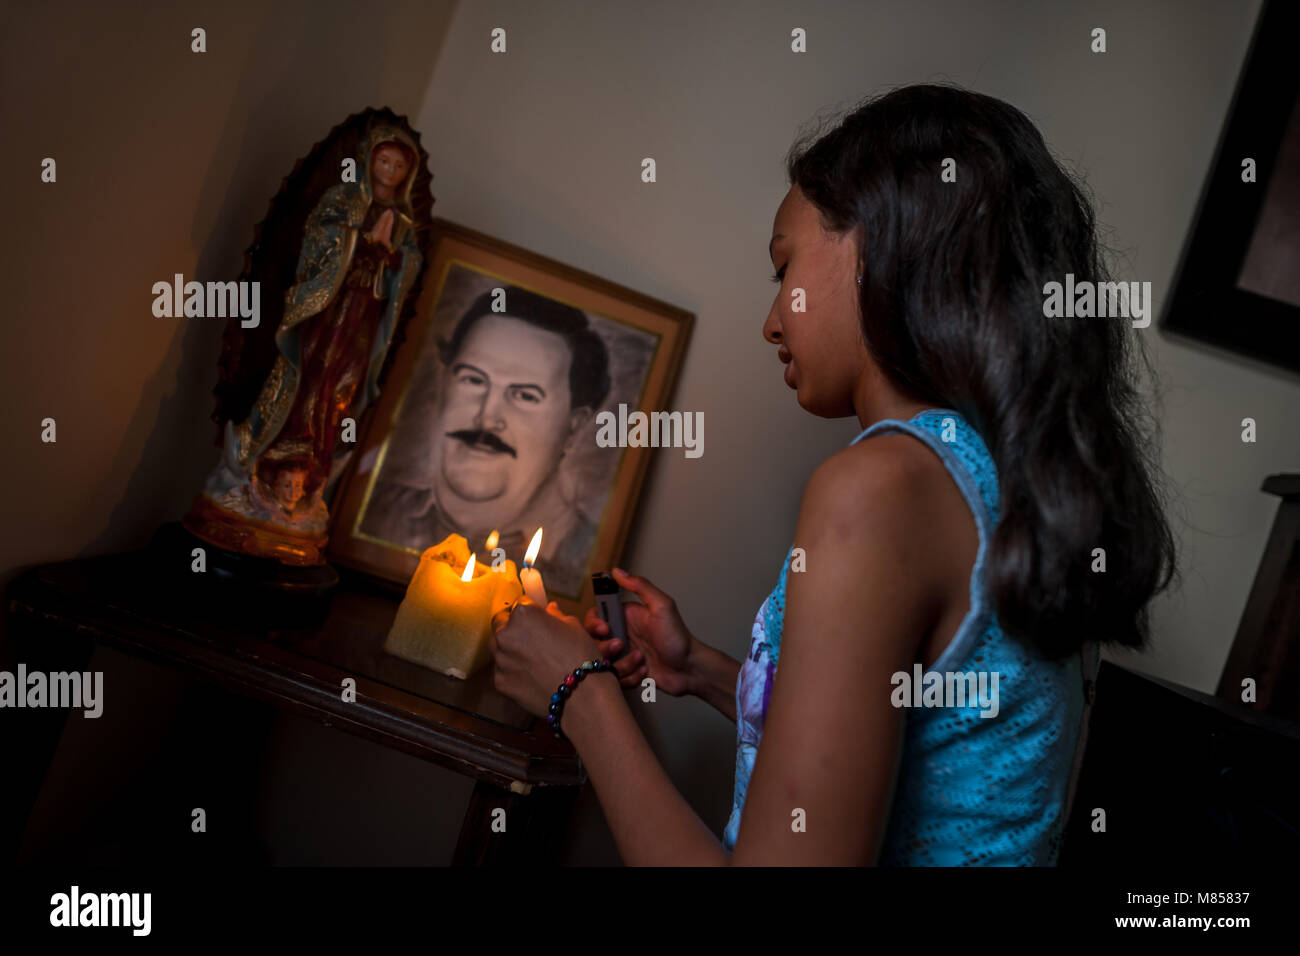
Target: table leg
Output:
[(29, 737), (534, 826)]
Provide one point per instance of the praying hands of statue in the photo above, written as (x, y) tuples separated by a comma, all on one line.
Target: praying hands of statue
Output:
[(383, 230)]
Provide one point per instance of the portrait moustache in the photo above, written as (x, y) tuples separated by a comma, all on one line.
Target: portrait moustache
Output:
[(479, 440)]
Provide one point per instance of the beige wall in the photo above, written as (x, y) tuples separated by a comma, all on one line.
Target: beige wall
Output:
[(166, 160)]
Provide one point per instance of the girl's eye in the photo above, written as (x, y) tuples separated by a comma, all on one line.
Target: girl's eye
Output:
[(779, 276)]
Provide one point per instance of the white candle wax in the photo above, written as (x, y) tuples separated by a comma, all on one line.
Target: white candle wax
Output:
[(529, 576), (531, 579)]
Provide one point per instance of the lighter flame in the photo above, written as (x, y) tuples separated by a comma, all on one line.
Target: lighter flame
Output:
[(534, 546), (492, 540), (469, 570)]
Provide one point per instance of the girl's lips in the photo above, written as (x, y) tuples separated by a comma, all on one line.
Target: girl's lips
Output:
[(788, 369)]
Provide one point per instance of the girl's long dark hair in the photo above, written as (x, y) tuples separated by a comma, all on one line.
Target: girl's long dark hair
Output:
[(952, 304)]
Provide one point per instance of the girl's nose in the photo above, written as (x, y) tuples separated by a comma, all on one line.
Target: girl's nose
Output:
[(772, 329)]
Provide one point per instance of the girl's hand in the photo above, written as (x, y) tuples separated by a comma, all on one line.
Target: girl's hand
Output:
[(661, 645), (534, 650)]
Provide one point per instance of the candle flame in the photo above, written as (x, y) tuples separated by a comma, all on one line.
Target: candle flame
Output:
[(469, 569), (492, 539), (533, 547)]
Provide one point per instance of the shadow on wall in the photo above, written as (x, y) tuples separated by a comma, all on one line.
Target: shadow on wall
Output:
[(300, 78), (291, 72)]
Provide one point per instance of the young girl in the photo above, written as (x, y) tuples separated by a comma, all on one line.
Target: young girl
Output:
[(959, 532)]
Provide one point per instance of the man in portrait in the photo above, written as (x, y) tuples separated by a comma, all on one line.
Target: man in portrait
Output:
[(518, 388)]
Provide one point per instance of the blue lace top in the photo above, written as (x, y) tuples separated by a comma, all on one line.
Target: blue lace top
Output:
[(971, 790)]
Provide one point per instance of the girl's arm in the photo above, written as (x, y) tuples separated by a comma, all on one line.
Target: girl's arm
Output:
[(831, 743), (715, 679), (652, 823), (824, 775)]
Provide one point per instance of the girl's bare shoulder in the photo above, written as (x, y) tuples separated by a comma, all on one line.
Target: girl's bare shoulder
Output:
[(892, 462), (892, 490)]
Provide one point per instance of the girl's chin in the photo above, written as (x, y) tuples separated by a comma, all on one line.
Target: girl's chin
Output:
[(815, 405), (821, 412)]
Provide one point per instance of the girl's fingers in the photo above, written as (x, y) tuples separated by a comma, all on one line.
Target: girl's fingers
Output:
[(630, 669), (653, 598), (594, 623)]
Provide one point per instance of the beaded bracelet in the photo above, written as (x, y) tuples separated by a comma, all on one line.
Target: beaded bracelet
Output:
[(564, 690)]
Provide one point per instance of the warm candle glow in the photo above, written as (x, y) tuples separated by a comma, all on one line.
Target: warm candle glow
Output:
[(492, 540), (444, 622), (534, 546), (529, 577)]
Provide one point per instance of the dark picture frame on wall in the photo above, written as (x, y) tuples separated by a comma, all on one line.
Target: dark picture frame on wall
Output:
[(1238, 280), (488, 420)]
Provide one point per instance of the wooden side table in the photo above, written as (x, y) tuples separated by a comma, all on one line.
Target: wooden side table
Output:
[(246, 645), (1266, 647)]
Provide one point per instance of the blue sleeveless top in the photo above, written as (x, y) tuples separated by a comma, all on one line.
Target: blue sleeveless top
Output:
[(971, 790)]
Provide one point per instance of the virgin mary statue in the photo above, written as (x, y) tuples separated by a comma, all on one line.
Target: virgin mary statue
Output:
[(358, 261)]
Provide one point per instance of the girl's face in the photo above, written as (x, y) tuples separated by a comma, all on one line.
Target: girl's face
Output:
[(815, 316)]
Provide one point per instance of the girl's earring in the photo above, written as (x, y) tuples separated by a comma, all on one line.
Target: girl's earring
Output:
[(859, 280)]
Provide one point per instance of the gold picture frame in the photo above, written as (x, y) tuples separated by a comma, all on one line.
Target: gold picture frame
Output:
[(448, 433)]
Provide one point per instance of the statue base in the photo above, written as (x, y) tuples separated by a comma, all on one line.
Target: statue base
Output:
[(247, 536), (175, 544)]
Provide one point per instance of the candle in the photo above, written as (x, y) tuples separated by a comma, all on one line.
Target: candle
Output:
[(530, 577), (445, 620)]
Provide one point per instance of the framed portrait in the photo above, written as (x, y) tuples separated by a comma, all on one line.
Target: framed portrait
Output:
[(488, 420), (1238, 283)]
